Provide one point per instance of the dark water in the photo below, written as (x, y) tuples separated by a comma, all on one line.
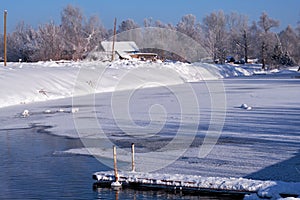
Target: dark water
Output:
[(30, 169)]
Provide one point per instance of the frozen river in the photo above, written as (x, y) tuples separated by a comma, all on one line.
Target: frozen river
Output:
[(43, 157)]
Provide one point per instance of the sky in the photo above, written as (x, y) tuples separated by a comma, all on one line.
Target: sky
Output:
[(36, 12)]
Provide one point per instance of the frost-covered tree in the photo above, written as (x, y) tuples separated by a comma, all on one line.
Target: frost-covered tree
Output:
[(93, 33), (156, 38), (298, 34), (267, 23), (1, 46), (298, 29), (79, 35), (189, 26), (266, 37), (214, 26), (239, 35), (72, 25), (74, 38), (160, 24), (222, 35), (22, 43), (254, 35), (290, 45), (129, 30), (50, 43), (127, 25), (148, 22)]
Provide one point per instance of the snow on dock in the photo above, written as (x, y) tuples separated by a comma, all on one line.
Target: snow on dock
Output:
[(196, 184)]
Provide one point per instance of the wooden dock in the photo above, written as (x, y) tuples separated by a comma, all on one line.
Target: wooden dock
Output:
[(174, 182), (178, 183), (191, 183)]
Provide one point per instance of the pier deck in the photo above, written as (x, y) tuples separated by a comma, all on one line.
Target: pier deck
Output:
[(180, 183)]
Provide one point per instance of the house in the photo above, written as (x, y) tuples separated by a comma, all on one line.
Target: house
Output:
[(126, 50), (122, 49)]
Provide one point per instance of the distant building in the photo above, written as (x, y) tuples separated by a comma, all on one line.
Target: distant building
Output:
[(126, 50), (122, 49)]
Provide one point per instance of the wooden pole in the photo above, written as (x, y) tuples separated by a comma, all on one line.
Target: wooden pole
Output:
[(132, 157), (5, 42), (115, 163), (114, 39)]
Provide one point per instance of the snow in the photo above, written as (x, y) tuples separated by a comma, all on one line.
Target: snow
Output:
[(122, 46), (25, 113), (53, 80), (259, 140), (116, 184), (259, 189)]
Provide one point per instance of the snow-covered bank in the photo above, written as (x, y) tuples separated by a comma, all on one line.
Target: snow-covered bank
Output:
[(23, 83)]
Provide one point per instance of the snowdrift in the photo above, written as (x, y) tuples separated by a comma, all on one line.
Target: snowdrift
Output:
[(23, 83)]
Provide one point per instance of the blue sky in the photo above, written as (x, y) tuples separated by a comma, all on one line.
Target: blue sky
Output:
[(35, 12)]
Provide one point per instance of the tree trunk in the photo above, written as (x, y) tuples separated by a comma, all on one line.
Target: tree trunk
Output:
[(245, 46), (263, 56)]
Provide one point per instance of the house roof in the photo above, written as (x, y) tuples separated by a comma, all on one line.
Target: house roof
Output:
[(123, 46)]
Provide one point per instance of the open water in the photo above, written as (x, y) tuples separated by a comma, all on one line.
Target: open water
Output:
[(30, 168)]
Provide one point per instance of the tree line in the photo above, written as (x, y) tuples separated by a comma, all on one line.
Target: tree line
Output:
[(221, 34)]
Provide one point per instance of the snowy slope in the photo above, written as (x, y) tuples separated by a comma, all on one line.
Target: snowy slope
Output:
[(32, 82)]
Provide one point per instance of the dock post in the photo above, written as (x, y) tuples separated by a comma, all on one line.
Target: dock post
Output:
[(115, 184), (132, 158), (115, 163)]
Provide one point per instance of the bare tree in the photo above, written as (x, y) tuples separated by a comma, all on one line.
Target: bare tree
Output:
[(266, 23), (215, 35)]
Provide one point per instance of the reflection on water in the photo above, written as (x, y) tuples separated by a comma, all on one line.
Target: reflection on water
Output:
[(129, 194), (30, 169)]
